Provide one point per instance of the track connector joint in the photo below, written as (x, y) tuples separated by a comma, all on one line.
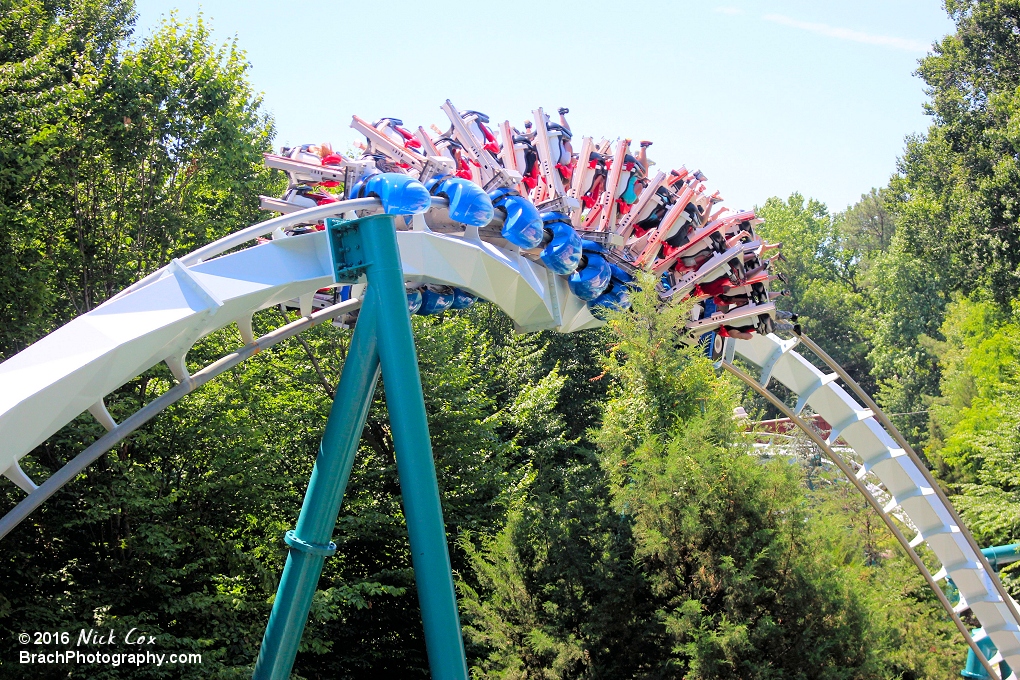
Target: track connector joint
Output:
[(346, 250)]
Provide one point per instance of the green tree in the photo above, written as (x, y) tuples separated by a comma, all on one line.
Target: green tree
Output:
[(556, 594), (822, 266), (906, 307), (166, 156), (910, 634), (960, 181), (975, 422), (720, 536), (867, 227), (979, 361), (54, 58), (162, 532)]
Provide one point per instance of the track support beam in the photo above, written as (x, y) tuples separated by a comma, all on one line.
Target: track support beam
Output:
[(78, 464), (382, 341)]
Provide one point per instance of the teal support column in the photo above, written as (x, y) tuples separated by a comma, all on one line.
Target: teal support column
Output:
[(382, 338), (974, 669), (310, 541), (415, 466), (999, 556)]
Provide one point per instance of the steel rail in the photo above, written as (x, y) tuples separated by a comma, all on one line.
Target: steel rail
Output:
[(237, 238), (863, 489), (928, 477), (77, 464), (314, 214)]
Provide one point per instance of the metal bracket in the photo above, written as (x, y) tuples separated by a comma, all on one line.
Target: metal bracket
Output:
[(19, 477), (346, 250), (610, 240), (187, 279), (507, 179), (291, 539), (99, 412), (436, 166), (563, 204)]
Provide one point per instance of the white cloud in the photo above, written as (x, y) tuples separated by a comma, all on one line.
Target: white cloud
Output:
[(729, 10), (905, 44)]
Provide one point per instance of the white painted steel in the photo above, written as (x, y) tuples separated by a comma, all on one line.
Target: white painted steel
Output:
[(902, 479), (159, 319), (152, 408)]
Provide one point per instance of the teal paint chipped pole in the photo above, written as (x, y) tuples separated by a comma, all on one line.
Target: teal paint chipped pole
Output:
[(382, 339)]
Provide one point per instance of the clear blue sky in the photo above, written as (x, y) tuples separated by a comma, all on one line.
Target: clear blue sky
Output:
[(766, 98)]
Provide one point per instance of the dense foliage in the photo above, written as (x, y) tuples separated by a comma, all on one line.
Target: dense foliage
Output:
[(607, 517)]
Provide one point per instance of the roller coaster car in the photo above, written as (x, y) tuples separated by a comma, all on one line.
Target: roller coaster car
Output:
[(729, 289), (740, 236), (476, 123), (626, 187), (560, 151), (386, 138), (391, 127), (469, 128), (451, 148), (679, 284), (304, 196), (758, 269), (675, 236), (690, 261), (752, 248), (653, 209), (750, 291), (662, 232), (708, 238), (304, 165), (691, 213), (306, 153), (380, 162), (297, 198), (673, 232), (749, 318), (653, 198), (712, 342), (527, 160), (595, 181), (555, 160)]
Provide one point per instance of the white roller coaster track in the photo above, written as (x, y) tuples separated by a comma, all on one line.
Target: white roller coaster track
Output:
[(161, 317), (887, 456)]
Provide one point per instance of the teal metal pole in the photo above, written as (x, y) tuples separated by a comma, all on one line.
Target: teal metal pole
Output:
[(417, 471), (310, 540), (974, 669), (1000, 555)]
